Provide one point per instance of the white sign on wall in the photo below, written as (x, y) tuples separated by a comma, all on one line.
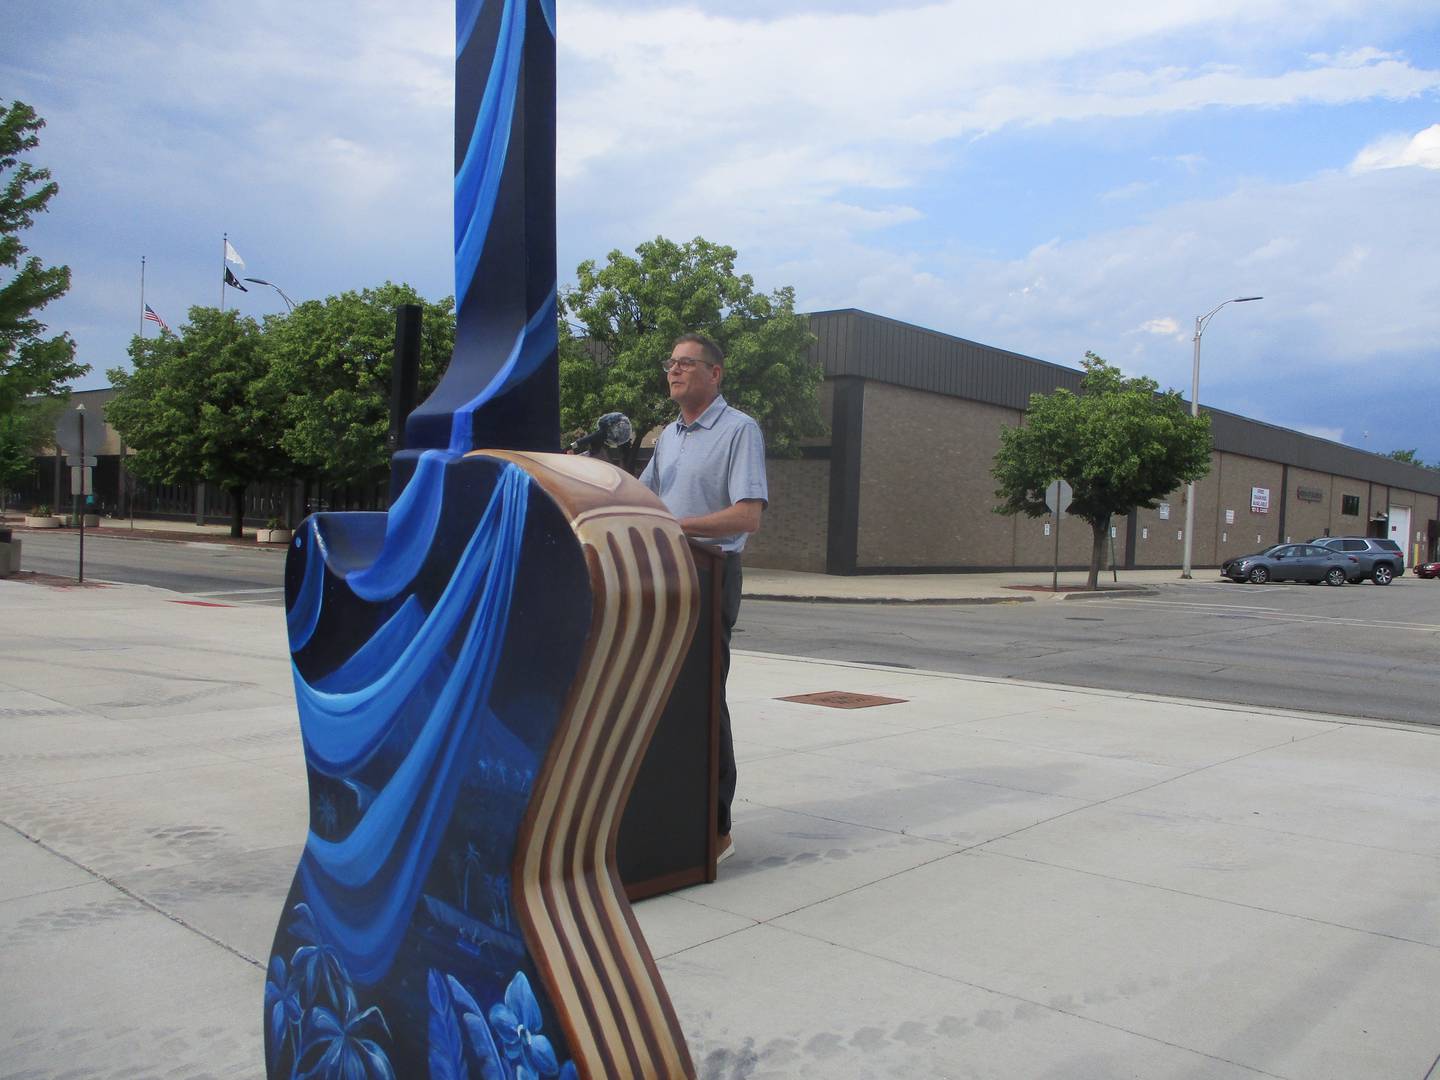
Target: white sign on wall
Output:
[(1164, 511), (1229, 517), (1259, 500)]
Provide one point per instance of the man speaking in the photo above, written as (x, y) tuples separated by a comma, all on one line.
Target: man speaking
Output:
[(709, 470)]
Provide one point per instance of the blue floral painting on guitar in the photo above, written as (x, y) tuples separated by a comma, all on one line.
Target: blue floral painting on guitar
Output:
[(431, 649)]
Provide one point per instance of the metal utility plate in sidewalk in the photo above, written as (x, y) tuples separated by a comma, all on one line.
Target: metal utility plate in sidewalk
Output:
[(841, 699)]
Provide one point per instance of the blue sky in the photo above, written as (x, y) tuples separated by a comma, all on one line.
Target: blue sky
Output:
[(1050, 179)]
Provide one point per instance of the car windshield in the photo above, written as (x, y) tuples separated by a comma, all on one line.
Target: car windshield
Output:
[(1273, 550)]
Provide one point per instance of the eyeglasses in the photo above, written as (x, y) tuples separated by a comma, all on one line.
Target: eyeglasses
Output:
[(684, 363)]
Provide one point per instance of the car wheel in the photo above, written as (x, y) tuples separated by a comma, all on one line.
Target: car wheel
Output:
[(1259, 576), (1335, 576), (1383, 575)]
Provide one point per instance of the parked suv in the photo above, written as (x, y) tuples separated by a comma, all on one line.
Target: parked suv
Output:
[(1379, 560)]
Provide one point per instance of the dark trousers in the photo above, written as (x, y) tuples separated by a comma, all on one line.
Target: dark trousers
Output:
[(729, 611)]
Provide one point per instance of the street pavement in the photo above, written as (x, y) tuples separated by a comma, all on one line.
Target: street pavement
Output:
[(760, 583), (986, 878)]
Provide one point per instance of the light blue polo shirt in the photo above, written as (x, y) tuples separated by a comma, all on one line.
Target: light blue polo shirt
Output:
[(706, 466)]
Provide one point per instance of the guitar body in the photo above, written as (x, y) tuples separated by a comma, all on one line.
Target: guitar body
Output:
[(478, 674)]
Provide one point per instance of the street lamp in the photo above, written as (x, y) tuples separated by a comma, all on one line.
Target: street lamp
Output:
[(289, 304), (1201, 321)]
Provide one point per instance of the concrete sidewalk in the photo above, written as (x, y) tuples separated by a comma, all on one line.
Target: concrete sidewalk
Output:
[(985, 879)]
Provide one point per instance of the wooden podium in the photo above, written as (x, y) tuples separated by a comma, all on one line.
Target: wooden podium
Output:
[(667, 832)]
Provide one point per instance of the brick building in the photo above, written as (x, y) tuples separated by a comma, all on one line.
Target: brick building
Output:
[(904, 483)]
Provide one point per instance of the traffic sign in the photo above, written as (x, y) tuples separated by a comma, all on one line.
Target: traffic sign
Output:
[(1058, 496), (82, 480), (67, 431)]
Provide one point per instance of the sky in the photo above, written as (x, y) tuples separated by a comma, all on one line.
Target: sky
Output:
[(1049, 178)]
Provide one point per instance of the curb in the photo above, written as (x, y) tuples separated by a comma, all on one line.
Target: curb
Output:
[(792, 598), (159, 536)]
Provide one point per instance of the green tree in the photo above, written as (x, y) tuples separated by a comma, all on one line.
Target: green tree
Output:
[(1119, 444), (1411, 457), (629, 312), (24, 432), (196, 406), (330, 365), (33, 367)]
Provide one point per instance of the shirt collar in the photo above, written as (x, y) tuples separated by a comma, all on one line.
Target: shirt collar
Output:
[(707, 418)]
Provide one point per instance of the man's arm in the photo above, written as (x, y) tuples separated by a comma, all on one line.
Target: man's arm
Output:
[(740, 517)]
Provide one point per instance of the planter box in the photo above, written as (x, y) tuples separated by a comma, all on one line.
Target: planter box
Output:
[(73, 520), (272, 536), (34, 522)]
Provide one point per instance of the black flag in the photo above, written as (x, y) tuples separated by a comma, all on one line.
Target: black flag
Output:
[(233, 281)]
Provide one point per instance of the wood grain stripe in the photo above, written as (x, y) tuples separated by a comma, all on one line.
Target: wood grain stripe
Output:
[(602, 979)]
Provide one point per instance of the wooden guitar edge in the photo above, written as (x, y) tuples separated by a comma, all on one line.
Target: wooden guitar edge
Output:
[(567, 892)]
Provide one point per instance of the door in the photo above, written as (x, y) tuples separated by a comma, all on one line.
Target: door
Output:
[(1400, 532), (1283, 564), (1312, 562)]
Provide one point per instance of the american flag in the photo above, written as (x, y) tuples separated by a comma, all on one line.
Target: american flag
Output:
[(150, 316)]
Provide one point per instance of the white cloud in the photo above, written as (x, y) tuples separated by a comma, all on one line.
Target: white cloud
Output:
[(1191, 163), (1397, 151), (1351, 59), (1162, 326), (1128, 191), (799, 129), (1333, 309)]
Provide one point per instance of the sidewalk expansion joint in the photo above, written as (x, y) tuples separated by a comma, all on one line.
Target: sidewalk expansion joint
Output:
[(1033, 1003), (136, 897)]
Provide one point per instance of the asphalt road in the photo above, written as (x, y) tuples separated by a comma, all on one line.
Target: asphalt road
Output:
[(1359, 650), (204, 570)]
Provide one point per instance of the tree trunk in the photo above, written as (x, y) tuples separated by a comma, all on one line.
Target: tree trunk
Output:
[(237, 512), (1100, 531)]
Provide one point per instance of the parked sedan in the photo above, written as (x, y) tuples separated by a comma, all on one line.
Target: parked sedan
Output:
[(1292, 562), (1427, 569)]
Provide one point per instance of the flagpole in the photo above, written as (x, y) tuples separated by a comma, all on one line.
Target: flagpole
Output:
[(224, 240), (142, 296)]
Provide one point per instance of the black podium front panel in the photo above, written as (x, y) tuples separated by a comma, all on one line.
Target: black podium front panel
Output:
[(667, 832)]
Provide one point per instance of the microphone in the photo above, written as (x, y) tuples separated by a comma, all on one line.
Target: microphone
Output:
[(612, 429)]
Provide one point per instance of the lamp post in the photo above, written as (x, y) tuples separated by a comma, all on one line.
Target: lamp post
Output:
[(1201, 321), (289, 304)]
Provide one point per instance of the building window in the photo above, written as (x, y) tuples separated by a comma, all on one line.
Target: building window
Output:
[(1350, 504)]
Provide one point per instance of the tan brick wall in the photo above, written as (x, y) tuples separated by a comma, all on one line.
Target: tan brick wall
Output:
[(926, 495), (1160, 541), (1305, 518), (1158, 532), (1238, 475), (926, 491), (1338, 522), (792, 533)]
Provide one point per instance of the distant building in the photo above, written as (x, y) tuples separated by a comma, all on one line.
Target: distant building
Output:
[(904, 484)]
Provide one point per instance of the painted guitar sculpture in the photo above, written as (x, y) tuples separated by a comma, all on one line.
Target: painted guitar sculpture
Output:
[(478, 672)]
